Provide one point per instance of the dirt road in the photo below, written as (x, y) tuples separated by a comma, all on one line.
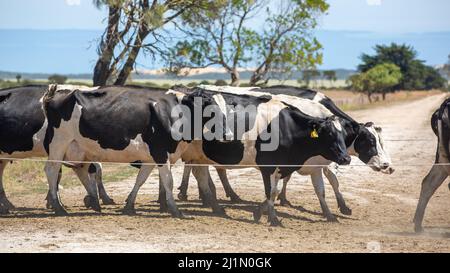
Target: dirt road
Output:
[(383, 208)]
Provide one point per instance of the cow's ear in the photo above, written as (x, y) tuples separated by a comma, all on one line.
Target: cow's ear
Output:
[(368, 124), (314, 127), (378, 129), (357, 127)]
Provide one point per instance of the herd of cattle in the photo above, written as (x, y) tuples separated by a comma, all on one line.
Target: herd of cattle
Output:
[(279, 130)]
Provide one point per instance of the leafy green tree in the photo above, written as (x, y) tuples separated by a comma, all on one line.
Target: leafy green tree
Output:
[(132, 26), (379, 79), (224, 35), (58, 79), (18, 78), (330, 75), (221, 83), (416, 75), (308, 76)]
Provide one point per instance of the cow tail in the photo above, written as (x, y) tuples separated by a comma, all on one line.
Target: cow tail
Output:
[(48, 96)]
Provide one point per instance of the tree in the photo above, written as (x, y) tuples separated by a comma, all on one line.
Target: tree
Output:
[(224, 36), (330, 75), (133, 25), (308, 75), (379, 79), (414, 71), (58, 79), (18, 78)]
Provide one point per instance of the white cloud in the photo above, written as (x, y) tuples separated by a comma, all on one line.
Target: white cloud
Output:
[(73, 2), (373, 2)]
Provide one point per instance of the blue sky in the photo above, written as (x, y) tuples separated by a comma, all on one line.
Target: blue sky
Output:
[(350, 28)]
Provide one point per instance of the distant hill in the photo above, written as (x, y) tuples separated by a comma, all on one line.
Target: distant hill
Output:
[(341, 74)]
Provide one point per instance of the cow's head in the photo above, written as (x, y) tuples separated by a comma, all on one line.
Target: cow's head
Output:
[(331, 138), (369, 147)]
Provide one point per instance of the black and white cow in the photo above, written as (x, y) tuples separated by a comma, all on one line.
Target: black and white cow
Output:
[(117, 124), (363, 140), (301, 138), (440, 123), (22, 130)]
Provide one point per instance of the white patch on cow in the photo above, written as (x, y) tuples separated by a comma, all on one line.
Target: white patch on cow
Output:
[(178, 94), (75, 87), (306, 106), (337, 125), (240, 90), (319, 97)]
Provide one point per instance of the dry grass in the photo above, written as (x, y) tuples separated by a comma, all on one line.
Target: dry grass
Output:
[(348, 100), (25, 177)]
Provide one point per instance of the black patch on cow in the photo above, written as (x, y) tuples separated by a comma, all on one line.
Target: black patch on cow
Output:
[(21, 117), (92, 168), (365, 144)]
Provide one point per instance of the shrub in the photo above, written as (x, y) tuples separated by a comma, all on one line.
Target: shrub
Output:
[(56, 78), (221, 83)]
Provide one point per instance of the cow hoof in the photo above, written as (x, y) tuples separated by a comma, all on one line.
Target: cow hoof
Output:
[(108, 201), (128, 210), (418, 228), (274, 222), (8, 205), (257, 215), (177, 214), (219, 211), (182, 197), (345, 210), (3, 210), (49, 205), (285, 203), (331, 218), (87, 201), (61, 212), (235, 199)]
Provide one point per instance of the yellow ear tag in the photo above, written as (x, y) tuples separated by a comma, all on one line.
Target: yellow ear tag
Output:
[(314, 134)]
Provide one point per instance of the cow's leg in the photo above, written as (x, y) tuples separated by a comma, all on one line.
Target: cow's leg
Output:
[(167, 181), (227, 187), (162, 197), (430, 183), (5, 204), (182, 195), (142, 176), (48, 199), (271, 190), (52, 169), (95, 170), (332, 178), (203, 179), (212, 188), (282, 196), (274, 178), (90, 184), (319, 188)]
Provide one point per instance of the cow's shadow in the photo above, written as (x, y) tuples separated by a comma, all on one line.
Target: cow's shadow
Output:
[(429, 231), (190, 208)]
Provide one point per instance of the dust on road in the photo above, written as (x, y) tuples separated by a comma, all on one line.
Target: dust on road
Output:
[(383, 208)]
